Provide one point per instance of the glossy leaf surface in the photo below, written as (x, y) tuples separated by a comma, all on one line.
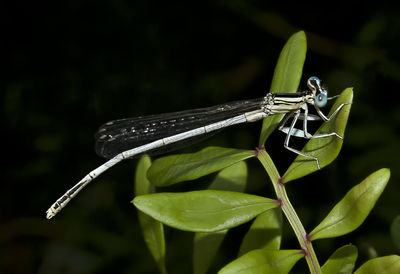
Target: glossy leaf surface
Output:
[(204, 210), (352, 210)]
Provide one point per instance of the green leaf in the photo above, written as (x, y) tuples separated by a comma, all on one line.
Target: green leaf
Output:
[(381, 265), (152, 230), (264, 233), (352, 210), (341, 261), (205, 244), (264, 261), (395, 231), (204, 210), (232, 178), (183, 167), (325, 149), (287, 76), (205, 248), (142, 184)]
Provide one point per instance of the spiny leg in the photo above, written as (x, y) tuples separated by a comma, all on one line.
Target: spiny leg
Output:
[(287, 139), (309, 117)]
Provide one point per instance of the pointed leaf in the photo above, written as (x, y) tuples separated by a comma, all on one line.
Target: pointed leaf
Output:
[(325, 149), (381, 265), (204, 210), (352, 210), (395, 231), (341, 261), (205, 244), (264, 261), (152, 230), (287, 76), (264, 233), (183, 167)]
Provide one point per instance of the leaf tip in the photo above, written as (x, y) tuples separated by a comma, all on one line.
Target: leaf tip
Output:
[(385, 171)]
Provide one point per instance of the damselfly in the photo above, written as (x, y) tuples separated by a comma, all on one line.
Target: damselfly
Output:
[(126, 138)]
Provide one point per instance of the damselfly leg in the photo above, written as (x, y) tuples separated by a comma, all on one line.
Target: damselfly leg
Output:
[(303, 133)]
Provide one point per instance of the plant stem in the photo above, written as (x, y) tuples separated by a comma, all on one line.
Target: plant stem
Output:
[(289, 211)]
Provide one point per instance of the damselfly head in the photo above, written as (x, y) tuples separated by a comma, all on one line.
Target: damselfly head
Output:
[(321, 94), (314, 84)]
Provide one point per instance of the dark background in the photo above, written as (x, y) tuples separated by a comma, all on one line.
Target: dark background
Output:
[(67, 68)]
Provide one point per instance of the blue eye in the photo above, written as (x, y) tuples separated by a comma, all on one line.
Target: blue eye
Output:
[(314, 83), (313, 79), (321, 100)]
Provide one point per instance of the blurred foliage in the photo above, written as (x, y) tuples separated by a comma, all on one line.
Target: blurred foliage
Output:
[(69, 67)]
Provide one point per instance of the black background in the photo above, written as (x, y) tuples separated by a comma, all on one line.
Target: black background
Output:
[(69, 67)]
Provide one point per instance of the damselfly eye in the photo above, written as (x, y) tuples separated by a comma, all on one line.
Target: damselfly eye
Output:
[(314, 83), (321, 100)]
